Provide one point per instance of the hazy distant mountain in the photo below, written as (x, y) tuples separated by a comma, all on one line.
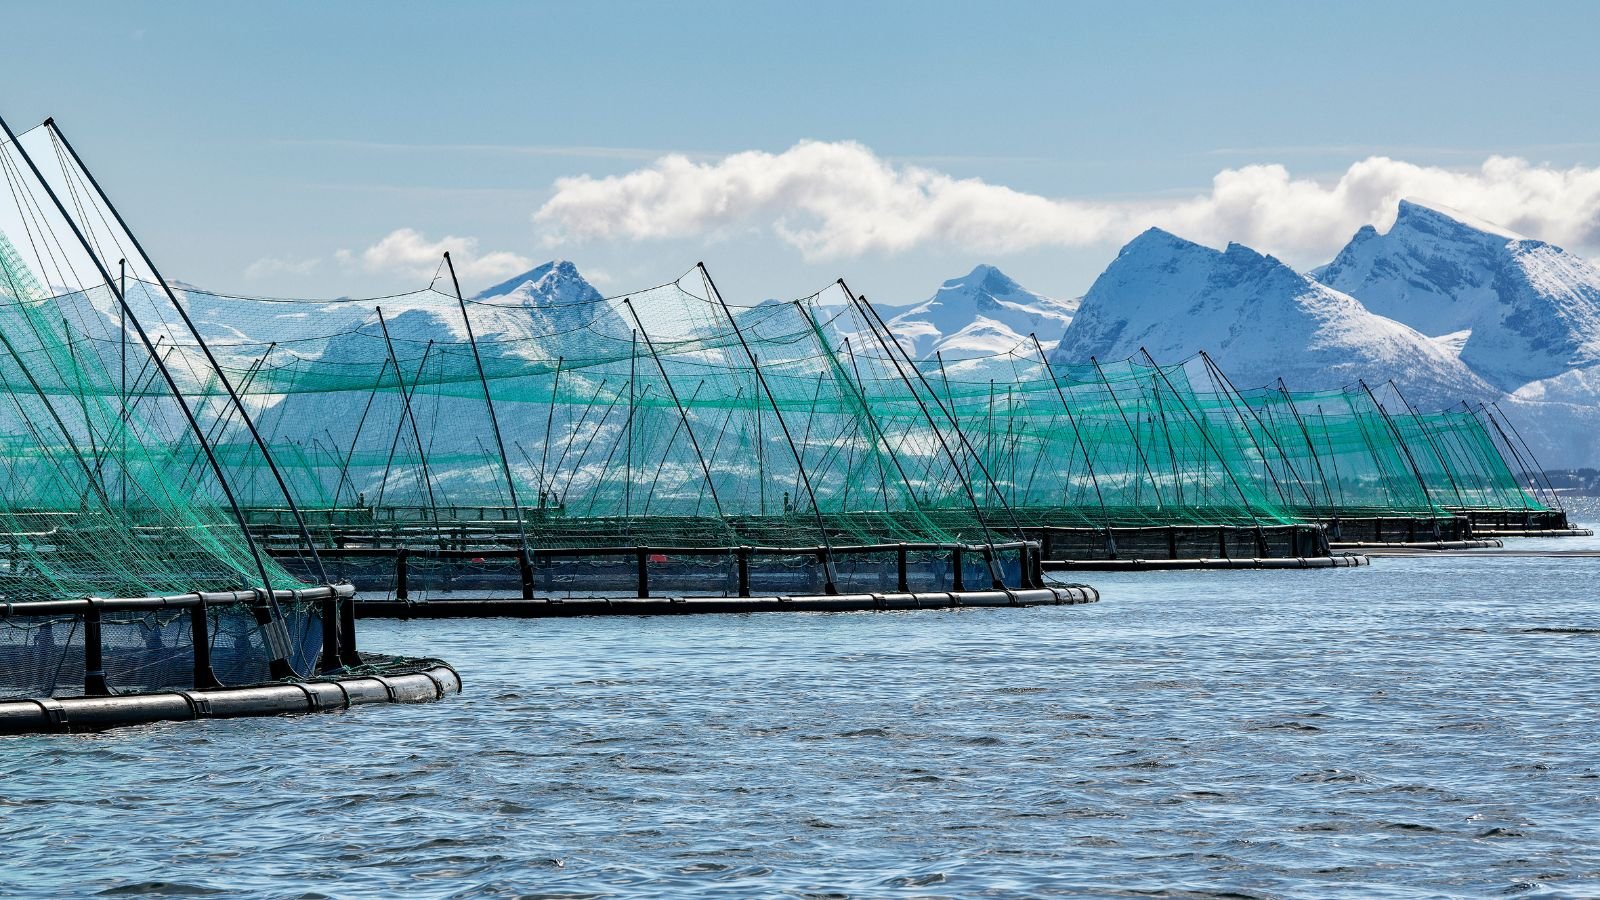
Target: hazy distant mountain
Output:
[(981, 313), (1520, 310), (1259, 319)]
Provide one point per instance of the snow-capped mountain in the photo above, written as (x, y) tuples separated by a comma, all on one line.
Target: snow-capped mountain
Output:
[(556, 281), (1521, 309), (1560, 417), (1259, 319), (430, 341), (981, 313)]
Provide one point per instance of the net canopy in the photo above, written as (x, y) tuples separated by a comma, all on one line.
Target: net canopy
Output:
[(106, 487), (672, 415), (147, 419), (1367, 452)]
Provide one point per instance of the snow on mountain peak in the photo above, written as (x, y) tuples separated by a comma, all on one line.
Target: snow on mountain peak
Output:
[(556, 281), (1257, 317), (1532, 308), (974, 314), (1424, 214)]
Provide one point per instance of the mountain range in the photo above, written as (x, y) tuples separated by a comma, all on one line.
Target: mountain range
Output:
[(1258, 319), (1448, 307)]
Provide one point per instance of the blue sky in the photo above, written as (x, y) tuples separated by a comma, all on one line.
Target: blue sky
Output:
[(250, 145)]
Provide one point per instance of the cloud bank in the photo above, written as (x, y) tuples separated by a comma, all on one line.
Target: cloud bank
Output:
[(408, 251), (833, 200)]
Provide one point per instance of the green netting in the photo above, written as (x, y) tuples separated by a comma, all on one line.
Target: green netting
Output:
[(1362, 455), (104, 488), (667, 416)]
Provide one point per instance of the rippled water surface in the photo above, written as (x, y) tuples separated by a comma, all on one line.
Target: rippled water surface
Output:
[(1422, 727)]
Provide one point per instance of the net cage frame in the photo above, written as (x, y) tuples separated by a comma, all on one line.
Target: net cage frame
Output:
[(121, 569)]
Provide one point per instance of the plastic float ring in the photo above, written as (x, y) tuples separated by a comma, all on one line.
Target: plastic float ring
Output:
[(199, 704), (388, 687), (438, 686), (343, 692), (53, 711), (313, 699)]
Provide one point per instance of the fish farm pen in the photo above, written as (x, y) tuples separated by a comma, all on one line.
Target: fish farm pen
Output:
[(258, 471), (672, 442), (133, 589)]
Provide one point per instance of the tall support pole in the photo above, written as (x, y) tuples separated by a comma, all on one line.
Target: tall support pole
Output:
[(494, 422), (183, 313), (1127, 423), (1077, 436), (1333, 453), (1531, 458), (1487, 453), (890, 344), (950, 402), (683, 416), (1405, 450), (361, 423), (400, 426), (1316, 459), (829, 586), (857, 394), (880, 330), (1461, 455), (627, 456), (216, 426), (1206, 434), (549, 424), (1432, 445), (1166, 433), (1515, 454), (267, 612), (122, 391), (416, 432), (1272, 438)]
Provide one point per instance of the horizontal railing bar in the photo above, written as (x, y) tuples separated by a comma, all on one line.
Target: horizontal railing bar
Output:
[(629, 551), (173, 601)]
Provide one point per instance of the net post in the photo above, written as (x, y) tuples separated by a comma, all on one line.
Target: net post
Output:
[(902, 581), (349, 651), (402, 586), (882, 333), (958, 579), (525, 571), (742, 554), (205, 678), (641, 560), (263, 615), (830, 584), (772, 401), (992, 561), (331, 638), (94, 666), (275, 632), (488, 400)]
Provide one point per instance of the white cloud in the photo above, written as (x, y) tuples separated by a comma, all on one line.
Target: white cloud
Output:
[(833, 200), (408, 251)]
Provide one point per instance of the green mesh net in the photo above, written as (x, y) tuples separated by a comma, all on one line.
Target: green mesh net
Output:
[(670, 416)]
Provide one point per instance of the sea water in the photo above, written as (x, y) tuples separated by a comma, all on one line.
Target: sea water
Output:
[(1426, 726)]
